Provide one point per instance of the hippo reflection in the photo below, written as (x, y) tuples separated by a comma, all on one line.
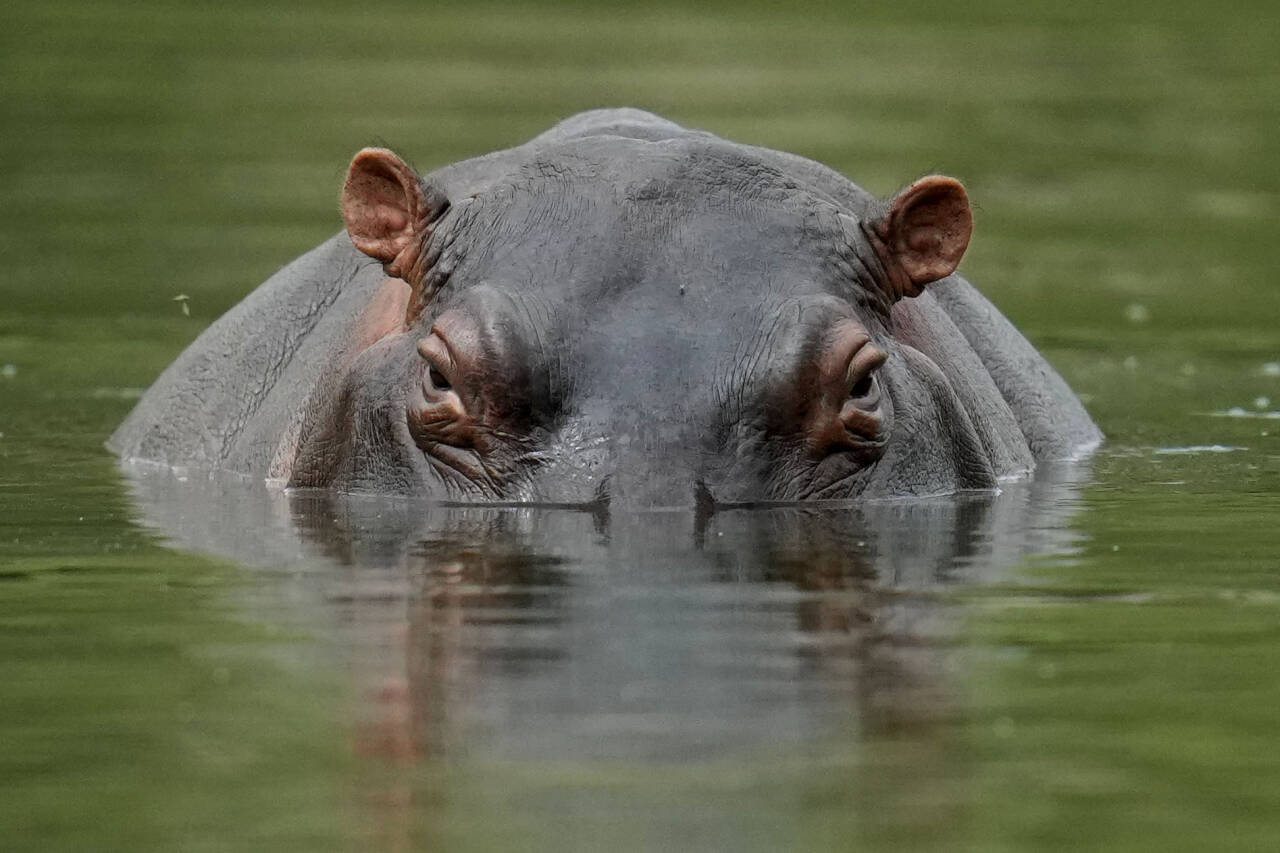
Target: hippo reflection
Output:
[(620, 311), (546, 632)]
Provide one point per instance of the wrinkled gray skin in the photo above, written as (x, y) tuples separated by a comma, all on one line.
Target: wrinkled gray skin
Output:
[(644, 307)]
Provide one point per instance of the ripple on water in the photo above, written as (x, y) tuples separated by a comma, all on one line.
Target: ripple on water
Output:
[(1241, 412)]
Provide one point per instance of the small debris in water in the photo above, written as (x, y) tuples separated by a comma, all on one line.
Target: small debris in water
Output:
[(1188, 369), (183, 299), (1198, 448), (1261, 402), (1137, 313), (1131, 363), (9, 371), (1271, 368), (1115, 548)]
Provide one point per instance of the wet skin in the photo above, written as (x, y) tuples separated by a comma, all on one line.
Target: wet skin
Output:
[(625, 312)]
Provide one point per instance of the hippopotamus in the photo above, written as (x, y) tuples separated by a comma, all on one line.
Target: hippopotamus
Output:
[(619, 312)]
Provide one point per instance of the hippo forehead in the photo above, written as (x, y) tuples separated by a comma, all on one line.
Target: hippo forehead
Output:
[(655, 208), (658, 264)]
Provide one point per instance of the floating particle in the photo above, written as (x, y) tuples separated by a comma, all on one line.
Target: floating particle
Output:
[(1137, 313)]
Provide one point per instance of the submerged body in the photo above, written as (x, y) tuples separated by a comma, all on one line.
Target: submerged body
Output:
[(622, 311)]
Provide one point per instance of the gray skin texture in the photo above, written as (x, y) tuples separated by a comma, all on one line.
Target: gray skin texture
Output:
[(625, 312)]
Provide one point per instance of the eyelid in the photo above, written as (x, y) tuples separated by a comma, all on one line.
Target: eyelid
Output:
[(866, 361), (435, 350)]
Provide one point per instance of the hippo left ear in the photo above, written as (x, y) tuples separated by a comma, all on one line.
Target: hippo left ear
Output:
[(924, 234)]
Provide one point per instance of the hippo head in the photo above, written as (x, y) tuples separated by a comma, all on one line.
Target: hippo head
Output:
[(643, 323)]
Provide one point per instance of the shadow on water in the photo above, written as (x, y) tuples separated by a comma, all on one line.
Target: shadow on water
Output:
[(530, 633)]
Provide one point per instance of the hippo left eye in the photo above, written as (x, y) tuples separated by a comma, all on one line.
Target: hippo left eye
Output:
[(861, 414), (864, 388), (844, 408)]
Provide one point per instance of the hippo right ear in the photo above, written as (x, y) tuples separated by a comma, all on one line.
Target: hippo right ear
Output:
[(388, 209)]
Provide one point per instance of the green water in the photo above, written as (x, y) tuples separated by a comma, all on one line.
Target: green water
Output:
[(1103, 675)]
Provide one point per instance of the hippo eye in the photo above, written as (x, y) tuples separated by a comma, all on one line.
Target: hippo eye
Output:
[(441, 418), (862, 387), (438, 380)]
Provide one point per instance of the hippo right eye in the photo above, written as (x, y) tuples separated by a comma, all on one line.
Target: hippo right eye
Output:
[(465, 410), (438, 380), (441, 415)]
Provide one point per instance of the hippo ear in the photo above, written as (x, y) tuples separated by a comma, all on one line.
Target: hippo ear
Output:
[(925, 233), (387, 207)]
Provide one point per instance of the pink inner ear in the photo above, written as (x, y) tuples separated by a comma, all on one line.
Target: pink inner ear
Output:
[(929, 227), (390, 219), (380, 201)]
